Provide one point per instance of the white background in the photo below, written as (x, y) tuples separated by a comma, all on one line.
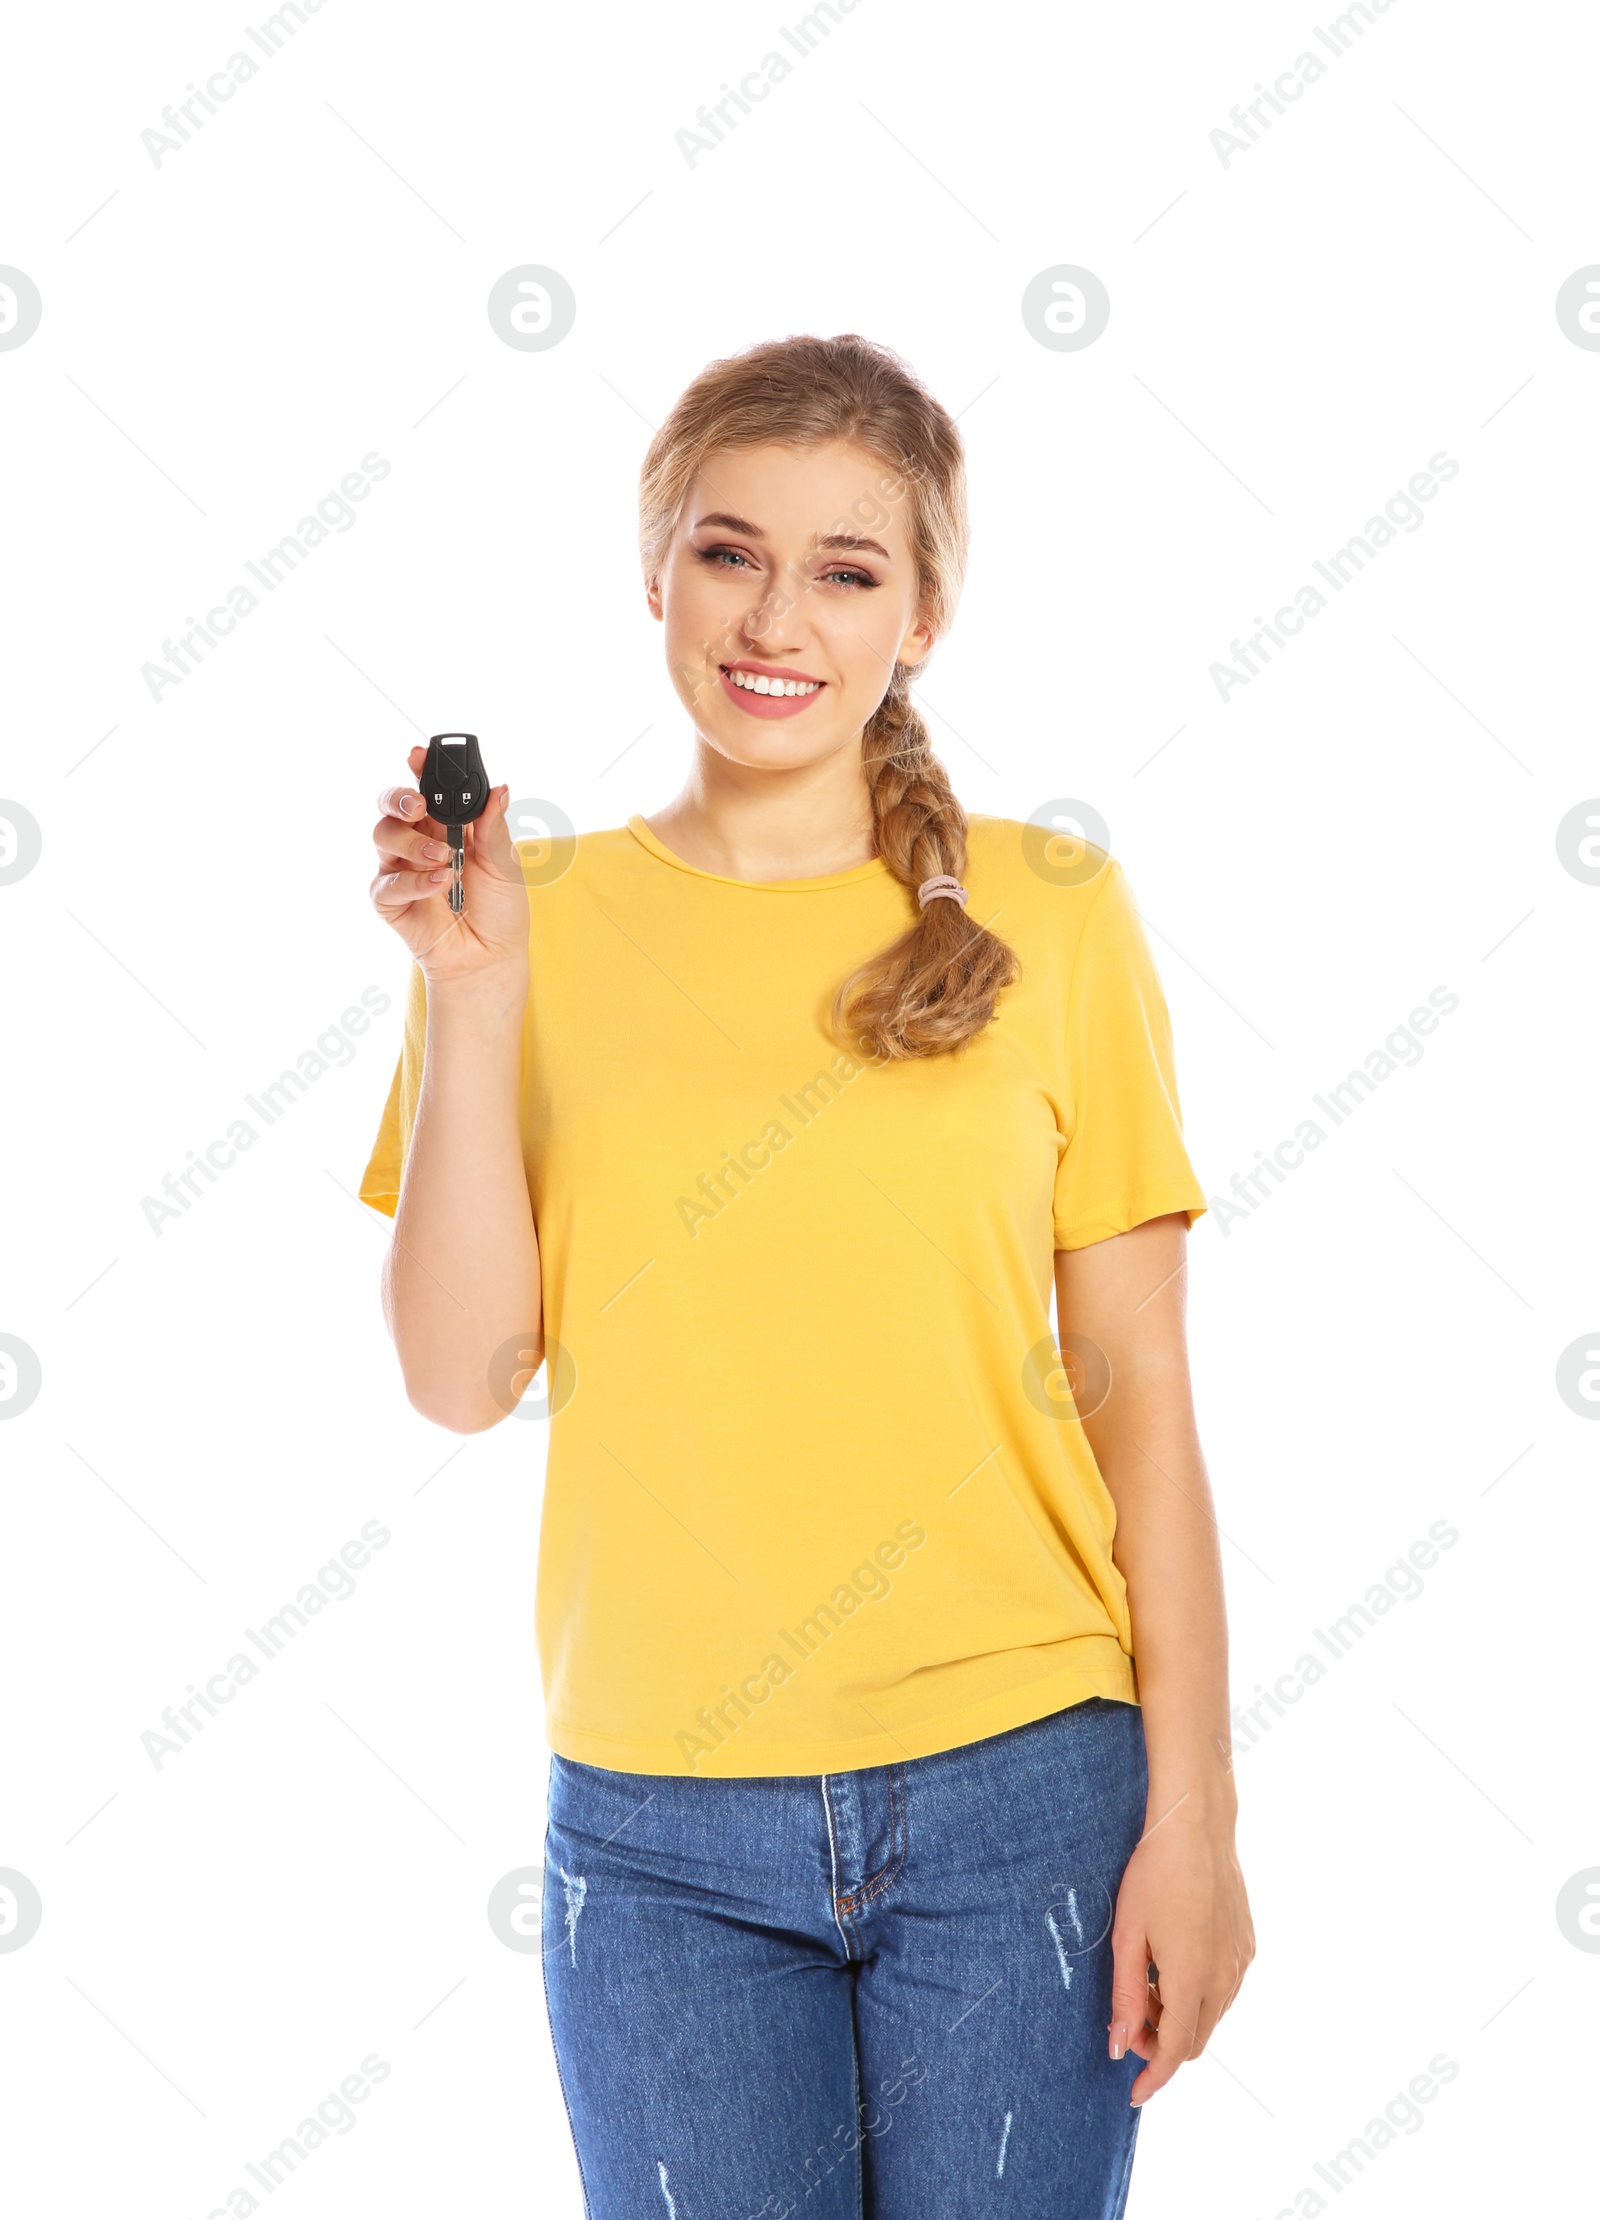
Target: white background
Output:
[(1292, 336)]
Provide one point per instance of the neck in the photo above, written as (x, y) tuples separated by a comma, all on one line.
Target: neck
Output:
[(751, 823)]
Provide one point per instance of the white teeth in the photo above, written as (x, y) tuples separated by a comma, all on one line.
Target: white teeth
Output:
[(757, 682)]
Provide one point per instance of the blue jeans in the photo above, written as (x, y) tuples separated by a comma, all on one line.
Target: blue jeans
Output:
[(881, 1993)]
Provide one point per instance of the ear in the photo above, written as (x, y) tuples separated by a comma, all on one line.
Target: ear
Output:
[(917, 645), (652, 595)]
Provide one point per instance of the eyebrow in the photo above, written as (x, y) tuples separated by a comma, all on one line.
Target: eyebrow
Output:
[(831, 539)]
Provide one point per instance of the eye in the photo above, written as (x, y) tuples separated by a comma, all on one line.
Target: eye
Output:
[(850, 578), (722, 557)]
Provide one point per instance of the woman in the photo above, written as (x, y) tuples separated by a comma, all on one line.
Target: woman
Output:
[(876, 1879)]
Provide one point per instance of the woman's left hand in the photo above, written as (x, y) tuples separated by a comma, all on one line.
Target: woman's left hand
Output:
[(1181, 1908)]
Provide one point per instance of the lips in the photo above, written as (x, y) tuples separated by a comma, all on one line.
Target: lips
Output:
[(769, 689)]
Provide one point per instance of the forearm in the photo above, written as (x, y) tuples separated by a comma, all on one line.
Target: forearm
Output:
[(462, 1275), (1166, 1549), (1126, 1295)]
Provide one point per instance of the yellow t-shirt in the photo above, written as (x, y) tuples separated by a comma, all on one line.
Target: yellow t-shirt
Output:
[(815, 1498)]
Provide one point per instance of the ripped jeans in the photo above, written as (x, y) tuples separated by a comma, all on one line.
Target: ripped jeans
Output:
[(880, 1993)]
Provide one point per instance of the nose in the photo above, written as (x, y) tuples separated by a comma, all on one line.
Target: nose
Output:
[(775, 620)]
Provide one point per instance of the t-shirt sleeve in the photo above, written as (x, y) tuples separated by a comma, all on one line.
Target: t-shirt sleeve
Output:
[(380, 1183), (1123, 1160)]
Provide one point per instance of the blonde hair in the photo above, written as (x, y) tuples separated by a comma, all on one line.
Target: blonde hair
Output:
[(936, 986)]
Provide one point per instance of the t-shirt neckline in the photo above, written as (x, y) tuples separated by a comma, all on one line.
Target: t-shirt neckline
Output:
[(872, 868)]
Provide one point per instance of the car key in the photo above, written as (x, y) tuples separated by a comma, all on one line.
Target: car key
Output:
[(455, 787)]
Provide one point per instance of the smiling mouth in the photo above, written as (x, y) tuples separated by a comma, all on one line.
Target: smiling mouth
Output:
[(763, 682), (768, 694)]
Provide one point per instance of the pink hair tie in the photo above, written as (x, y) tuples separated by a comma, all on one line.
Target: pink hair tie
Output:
[(931, 890)]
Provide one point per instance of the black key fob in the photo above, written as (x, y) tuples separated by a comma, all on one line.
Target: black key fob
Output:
[(455, 787), (454, 784)]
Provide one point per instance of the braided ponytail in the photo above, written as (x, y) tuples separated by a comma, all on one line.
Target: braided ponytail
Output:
[(936, 986)]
